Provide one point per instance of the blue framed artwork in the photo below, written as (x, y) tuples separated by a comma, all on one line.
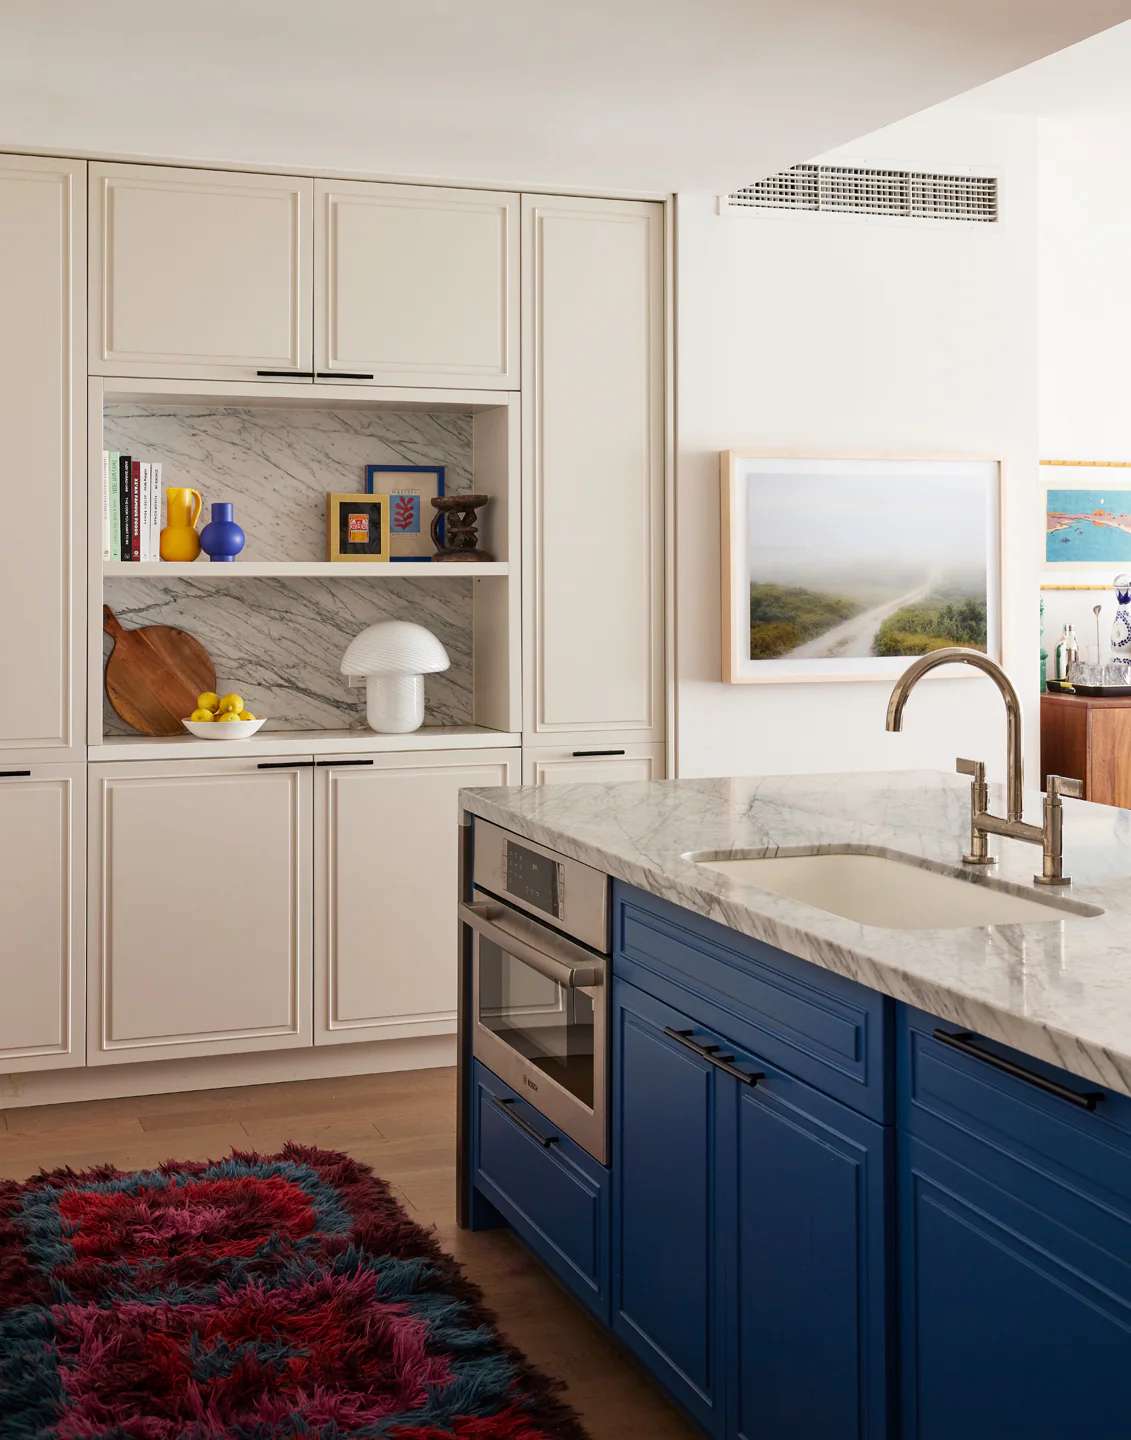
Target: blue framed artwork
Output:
[(1087, 515), (410, 489)]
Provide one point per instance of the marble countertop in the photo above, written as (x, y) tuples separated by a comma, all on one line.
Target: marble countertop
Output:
[(1059, 990)]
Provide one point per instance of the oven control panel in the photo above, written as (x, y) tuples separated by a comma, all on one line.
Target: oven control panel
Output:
[(572, 896)]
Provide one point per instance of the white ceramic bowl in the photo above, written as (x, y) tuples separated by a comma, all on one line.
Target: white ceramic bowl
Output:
[(223, 729)]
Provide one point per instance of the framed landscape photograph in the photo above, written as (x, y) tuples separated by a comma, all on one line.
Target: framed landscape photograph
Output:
[(845, 568), (411, 490), (1087, 518)]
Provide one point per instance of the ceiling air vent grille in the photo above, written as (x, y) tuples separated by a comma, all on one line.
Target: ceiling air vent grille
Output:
[(847, 190)]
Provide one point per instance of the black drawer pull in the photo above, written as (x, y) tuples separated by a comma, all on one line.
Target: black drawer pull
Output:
[(524, 1125), (963, 1042), (285, 765), (286, 374), (15, 774), (337, 764), (710, 1054), (342, 375), (580, 754)]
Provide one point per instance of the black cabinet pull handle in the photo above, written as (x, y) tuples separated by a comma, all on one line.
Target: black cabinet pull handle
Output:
[(14, 774), (342, 375), (337, 764), (579, 754), (524, 1125), (711, 1055), (286, 374), (963, 1042), (285, 765)]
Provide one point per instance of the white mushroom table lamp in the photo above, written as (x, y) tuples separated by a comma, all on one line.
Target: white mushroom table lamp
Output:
[(394, 656)]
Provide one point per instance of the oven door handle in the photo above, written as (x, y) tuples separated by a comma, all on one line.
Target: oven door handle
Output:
[(483, 919)]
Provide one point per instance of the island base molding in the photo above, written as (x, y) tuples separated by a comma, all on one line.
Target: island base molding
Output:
[(167, 1077)]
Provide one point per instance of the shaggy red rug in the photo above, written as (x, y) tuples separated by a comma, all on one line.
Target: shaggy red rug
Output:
[(246, 1299)]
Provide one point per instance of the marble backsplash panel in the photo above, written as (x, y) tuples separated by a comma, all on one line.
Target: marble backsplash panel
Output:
[(279, 642), (278, 463)]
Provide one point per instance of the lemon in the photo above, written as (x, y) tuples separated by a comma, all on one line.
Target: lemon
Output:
[(201, 714), (246, 715), (232, 702), (226, 715), (207, 700)]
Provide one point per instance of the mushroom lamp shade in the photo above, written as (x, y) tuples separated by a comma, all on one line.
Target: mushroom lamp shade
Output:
[(394, 656)]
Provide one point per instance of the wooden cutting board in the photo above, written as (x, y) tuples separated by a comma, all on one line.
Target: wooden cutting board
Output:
[(154, 675)]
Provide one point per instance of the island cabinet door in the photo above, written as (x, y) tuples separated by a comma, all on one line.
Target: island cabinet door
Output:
[(386, 860), (200, 908), (666, 1289), (1014, 1243), (808, 1316)]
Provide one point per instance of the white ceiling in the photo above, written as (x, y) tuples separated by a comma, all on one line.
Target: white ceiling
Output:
[(1091, 78), (647, 95)]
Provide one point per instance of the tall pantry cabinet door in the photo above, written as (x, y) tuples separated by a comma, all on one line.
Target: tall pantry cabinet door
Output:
[(386, 855), (199, 274), (42, 917), (43, 480), (416, 285), (200, 895), (593, 468)]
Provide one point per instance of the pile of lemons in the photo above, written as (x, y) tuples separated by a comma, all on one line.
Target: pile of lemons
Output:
[(209, 706)]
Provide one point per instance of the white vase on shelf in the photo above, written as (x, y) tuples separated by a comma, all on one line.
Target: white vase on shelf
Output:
[(394, 656)]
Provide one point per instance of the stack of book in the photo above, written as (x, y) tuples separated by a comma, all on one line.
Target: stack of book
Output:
[(131, 507)]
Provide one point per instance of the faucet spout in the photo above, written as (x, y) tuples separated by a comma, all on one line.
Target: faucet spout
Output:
[(958, 655)]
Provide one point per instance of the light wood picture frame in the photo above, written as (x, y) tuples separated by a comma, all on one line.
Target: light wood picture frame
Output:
[(357, 528), (1086, 508), (844, 567)]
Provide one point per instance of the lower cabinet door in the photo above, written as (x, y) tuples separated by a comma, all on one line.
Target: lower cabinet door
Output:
[(666, 1290), (386, 865), (200, 908), (807, 1327), (42, 918), (597, 763), (1015, 1305)]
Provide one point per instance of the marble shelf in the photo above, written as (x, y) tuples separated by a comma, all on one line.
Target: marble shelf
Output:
[(296, 743), (298, 569)]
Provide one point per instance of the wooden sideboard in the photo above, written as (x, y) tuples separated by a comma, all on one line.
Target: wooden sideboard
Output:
[(1088, 738)]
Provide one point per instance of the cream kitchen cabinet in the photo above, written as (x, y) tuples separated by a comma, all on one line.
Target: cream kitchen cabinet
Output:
[(42, 917), (199, 908), (551, 765), (43, 409), (385, 870), (200, 274), (593, 471), (416, 285)]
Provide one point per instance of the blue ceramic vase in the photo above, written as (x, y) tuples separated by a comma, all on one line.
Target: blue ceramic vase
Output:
[(222, 538)]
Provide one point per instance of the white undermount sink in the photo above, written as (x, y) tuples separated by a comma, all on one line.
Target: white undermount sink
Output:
[(898, 894)]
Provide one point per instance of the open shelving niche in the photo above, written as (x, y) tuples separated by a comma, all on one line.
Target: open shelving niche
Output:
[(275, 450)]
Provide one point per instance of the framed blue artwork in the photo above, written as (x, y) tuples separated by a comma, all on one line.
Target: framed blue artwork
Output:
[(1087, 516), (410, 489)]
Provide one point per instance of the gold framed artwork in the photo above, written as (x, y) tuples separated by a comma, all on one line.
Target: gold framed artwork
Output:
[(843, 567), (357, 527), (1087, 532)]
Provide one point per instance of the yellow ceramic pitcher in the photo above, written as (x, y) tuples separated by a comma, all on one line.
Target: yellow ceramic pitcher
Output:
[(179, 540)]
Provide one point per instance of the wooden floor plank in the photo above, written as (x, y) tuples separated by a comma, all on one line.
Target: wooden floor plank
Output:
[(401, 1124)]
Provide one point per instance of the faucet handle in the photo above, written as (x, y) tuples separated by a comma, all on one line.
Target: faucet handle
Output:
[(976, 769), (1058, 786)]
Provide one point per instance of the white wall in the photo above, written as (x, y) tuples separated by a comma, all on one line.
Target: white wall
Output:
[(857, 334), (1084, 312)]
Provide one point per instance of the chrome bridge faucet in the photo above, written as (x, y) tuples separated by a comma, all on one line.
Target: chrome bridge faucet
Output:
[(1050, 835)]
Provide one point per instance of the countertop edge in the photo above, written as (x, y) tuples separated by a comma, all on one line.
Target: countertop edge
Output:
[(1036, 1038)]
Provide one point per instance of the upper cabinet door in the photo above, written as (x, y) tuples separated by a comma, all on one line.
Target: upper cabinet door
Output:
[(593, 467), (199, 274), (43, 415), (416, 285)]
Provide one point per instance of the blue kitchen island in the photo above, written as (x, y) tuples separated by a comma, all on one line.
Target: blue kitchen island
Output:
[(861, 1181)]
